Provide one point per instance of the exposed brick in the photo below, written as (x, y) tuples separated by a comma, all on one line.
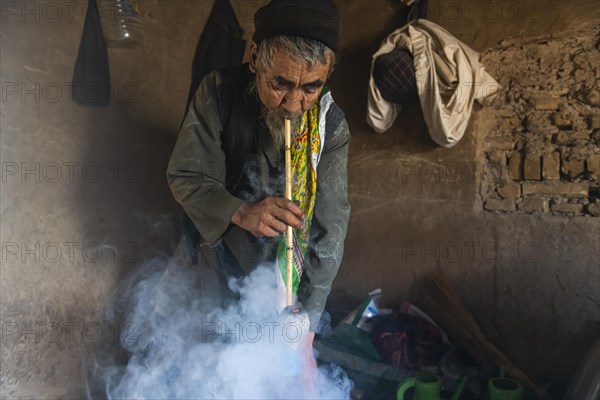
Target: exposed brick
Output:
[(572, 167), (559, 92), (509, 190), (551, 166), (565, 188), (563, 138), (594, 209), (531, 167), (571, 137), (593, 97), (500, 205), (593, 166), (581, 135), (594, 122), (572, 208), (515, 166), (562, 121), (496, 166), (546, 103), (533, 204), (595, 137)]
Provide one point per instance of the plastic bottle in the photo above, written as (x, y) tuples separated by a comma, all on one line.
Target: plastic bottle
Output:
[(121, 23)]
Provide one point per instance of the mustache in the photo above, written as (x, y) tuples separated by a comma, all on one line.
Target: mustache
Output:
[(284, 114), (275, 123)]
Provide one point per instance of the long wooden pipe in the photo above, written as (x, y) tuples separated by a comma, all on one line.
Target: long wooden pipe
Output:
[(289, 234)]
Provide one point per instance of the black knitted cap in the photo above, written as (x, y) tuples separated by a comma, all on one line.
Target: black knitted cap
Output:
[(315, 19)]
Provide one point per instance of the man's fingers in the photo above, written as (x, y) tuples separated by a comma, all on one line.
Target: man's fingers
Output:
[(271, 217), (266, 229), (291, 206), (286, 216), (270, 233), (276, 225)]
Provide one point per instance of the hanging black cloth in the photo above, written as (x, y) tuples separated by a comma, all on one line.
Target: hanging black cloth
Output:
[(91, 78), (221, 45)]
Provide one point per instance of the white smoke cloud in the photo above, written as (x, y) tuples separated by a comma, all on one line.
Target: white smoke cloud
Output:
[(178, 349)]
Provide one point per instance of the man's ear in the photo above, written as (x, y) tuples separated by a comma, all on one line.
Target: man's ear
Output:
[(253, 57)]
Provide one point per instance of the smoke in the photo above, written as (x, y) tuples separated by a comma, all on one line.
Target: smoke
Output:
[(176, 347)]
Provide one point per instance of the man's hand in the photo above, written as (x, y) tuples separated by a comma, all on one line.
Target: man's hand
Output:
[(269, 217)]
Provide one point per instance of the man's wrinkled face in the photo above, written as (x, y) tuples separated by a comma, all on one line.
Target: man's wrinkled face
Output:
[(288, 89)]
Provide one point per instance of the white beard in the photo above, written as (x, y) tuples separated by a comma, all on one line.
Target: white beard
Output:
[(275, 122)]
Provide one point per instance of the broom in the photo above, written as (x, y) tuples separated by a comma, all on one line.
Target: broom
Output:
[(443, 303)]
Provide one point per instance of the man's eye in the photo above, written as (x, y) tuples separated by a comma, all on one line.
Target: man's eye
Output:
[(311, 89), (279, 86)]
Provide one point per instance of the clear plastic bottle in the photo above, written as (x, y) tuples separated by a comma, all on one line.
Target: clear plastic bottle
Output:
[(121, 23)]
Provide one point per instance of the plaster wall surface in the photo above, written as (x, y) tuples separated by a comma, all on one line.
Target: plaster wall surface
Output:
[(84, 196), (532, 282), (84, 193)]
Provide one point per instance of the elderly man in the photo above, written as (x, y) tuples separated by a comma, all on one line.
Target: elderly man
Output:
[(227, 169)]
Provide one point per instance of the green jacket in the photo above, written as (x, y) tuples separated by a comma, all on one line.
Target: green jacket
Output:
[(197, 175)]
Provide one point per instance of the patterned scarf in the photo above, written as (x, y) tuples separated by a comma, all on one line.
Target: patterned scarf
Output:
[(306, 147)]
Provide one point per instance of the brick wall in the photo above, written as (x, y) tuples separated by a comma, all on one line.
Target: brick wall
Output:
[(542, 152)]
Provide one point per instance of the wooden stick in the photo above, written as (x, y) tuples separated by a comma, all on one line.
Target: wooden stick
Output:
[(289, 234), (443, 303)]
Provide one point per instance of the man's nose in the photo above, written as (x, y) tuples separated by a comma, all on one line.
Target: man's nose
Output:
[(292, 102)]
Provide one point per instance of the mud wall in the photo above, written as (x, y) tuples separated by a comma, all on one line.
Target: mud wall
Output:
[(529, 275), (84, 196)]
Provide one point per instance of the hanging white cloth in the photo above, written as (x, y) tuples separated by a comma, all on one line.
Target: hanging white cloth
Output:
[(449, 79)]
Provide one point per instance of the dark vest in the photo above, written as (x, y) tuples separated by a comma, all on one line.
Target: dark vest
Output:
[(239, 113)]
